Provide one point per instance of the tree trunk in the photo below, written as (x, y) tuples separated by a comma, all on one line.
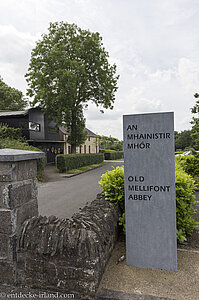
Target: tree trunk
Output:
[(73, 149), (73, 131)]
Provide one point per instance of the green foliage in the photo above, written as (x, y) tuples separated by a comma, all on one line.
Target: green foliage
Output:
[(111, 155), (110, 143), (69, 67), (23, 145), (9, 132), (183, 139), (122, 222), (112, 183), (65, 162), (189, 163), (185, 203), (195, 123), (11, 98)]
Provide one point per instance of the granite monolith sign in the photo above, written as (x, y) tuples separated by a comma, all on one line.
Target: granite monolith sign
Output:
[(150, 203)]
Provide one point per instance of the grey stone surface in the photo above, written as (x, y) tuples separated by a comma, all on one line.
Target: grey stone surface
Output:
[(150, 191), (8, 246), (7, 172), (18, 202), (26, 211), (105, 294), (17, 171), (16, 194), (25, 170), (6, 221), (8, 272), (18, 155), (68, 254)]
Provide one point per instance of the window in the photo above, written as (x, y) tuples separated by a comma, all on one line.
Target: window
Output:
[(34, 126)]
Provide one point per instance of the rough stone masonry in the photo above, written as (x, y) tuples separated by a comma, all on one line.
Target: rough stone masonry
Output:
[(18, 202), (61, 255), (68, 255)]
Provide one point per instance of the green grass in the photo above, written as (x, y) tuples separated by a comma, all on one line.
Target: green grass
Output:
[(86, 168)]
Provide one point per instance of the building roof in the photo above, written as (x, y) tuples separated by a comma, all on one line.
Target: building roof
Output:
[(6, 113), (88, 131), (63, 130)]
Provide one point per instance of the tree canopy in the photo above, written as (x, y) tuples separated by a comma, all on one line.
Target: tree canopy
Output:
[(11, 98), (110, 143), (68, 68), (195, 123), (183, 139)]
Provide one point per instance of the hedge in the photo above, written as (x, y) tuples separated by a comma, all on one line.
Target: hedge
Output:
[(111, 155), (66, 162), (112, 184)]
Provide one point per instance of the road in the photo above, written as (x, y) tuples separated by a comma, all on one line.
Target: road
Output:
[(64, 196)]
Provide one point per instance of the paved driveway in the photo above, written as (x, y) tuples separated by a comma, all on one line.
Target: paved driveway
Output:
[(62, 197)]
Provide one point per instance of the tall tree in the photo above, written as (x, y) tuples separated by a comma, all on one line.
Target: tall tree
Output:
[(68, 68), (183, 139), (195, 123), (110, 143), (11, 98)]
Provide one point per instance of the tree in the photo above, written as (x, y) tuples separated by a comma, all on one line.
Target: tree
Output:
[(68, 68), (183, 139), (195, 123), (110, 143), (11, 98)]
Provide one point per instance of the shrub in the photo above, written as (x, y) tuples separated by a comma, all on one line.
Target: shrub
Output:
[(66, 162), (23, 145), (112, 183), (9, 132), (185, 203), (189, 163), (111, 155)]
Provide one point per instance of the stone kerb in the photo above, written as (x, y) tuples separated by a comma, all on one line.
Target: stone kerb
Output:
[(18, 202)]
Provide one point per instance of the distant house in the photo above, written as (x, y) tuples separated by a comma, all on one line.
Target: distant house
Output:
[(41, 133), (91, 144)]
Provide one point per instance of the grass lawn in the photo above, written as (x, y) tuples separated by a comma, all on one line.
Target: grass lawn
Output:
[(86, 168)]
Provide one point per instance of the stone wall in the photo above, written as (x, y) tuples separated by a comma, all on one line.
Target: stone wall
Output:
[(68, 255), (51, 254), (18, 202)]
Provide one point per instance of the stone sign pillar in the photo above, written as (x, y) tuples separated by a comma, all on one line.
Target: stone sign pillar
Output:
[(18, 201), (150, 203)]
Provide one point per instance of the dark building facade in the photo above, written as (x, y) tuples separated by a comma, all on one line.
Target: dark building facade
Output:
[(44, 134), (37, 130)]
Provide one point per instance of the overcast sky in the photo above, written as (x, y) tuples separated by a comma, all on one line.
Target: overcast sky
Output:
[(154, 43)]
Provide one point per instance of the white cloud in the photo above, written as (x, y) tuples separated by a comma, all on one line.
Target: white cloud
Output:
[(14, 55), (154, 44)]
